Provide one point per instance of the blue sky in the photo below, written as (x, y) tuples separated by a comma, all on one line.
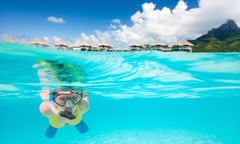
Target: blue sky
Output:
[(113, 21)]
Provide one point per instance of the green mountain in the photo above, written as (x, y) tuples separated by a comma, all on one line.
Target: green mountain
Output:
[(226, 38)]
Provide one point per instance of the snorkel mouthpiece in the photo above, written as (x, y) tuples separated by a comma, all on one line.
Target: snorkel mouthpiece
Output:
[(67, 113)]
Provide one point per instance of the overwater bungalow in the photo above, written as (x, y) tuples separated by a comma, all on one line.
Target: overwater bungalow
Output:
[(136, 46), (105, 46), (60, 44), (9, 38), (181, 45), (39, 42), (160, 46), (46, 43), (36, 42), (85, 46)]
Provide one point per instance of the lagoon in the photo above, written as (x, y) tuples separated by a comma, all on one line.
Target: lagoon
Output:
[(136, 97)]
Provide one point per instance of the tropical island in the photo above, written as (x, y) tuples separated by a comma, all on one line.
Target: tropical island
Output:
[(225, 38)]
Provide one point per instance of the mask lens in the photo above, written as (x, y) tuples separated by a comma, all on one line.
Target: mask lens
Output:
[(76, 99), (60, 100)]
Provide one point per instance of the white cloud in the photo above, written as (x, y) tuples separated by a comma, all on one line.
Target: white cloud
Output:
[(55, 38), (46, 38), (55, 20), (115, 23), (168, 25), (89, 38)]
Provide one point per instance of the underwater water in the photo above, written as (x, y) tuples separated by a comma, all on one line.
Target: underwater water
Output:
[(136, 97)]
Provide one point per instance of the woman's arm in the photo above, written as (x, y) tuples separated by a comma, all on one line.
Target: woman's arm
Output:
[(84, 104)]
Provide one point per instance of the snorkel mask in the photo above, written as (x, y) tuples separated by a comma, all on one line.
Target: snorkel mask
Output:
[(67, 101)]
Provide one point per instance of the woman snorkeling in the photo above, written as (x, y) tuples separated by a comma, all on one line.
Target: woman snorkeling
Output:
[(65, 104)]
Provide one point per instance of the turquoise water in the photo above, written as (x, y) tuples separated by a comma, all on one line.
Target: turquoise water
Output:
[(136, 97)]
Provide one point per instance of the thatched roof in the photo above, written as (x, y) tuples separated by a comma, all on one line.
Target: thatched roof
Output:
[(105, 44), (136, 44), (158, 43), (46, 43), (60, 43), (36, 41)]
